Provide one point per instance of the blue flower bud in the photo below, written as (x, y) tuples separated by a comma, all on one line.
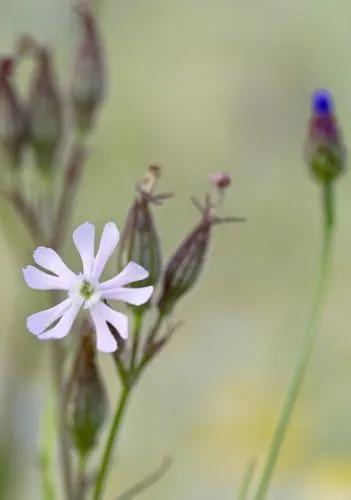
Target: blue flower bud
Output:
[(324, 149), (322, 102)]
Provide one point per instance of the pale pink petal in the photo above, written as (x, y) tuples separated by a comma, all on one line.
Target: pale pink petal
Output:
[(117, 319), (108, 242), (63, 326), (50, 260), (42, 281), (131, 273), (38, 322), (84, 240), (135, 296), (105, 341)]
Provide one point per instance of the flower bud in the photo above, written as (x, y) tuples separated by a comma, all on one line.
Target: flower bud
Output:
[(12, 119), (325, 152), (140, 241), (185, 266), (88, 82), (220, 180), (44, 112), (87, 403)]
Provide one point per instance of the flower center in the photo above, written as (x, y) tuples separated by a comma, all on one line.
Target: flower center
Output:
[(87, 289)]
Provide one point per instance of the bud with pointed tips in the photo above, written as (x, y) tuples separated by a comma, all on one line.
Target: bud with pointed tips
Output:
[(325, 151), (45, 117), (185, 266), (88, 83), (87, 404), (12, 116), (140, 242)]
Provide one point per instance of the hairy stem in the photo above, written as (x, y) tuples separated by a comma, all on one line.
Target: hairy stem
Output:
[(305, 350)]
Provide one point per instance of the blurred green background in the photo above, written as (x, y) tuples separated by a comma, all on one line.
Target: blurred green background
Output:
[(200, 86)]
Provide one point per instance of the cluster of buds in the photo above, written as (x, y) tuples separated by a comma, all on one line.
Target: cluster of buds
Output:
[(86, 398), (141, 243), (38, 120), (325, 151)]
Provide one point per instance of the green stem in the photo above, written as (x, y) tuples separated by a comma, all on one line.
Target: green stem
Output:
[(246, 480), (113, 434), (63, 441), (81, 478), (305, 350), (149, 340), (46, 452), (138, 317)]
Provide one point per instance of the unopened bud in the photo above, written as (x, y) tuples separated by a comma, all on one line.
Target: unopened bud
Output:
[(87, 403), (185, 266), (140, 241), (325, 151), (44, 113), (12, 118), (88, 82), (220, 180)]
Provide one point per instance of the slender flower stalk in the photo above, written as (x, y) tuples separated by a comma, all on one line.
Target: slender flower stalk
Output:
[(246, 481), (116, 425), (324, 144)]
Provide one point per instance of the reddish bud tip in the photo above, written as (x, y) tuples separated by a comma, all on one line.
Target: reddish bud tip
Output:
[(220, 180), (6, 67)]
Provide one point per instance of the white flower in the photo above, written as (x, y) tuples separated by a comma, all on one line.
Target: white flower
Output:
[(84, 290)]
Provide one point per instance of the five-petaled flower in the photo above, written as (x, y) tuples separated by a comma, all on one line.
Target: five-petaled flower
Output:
[(84, 290)]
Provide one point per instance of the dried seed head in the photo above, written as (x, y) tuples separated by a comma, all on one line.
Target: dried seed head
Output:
[(45, 118), (88, 82), (12, 116), (324, 149), (87, 403)]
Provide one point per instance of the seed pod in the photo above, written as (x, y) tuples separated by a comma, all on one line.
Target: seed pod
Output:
[(140, 242), (185, 266), (87, 402), (12, 117), (88, 82), (324, 150), (44, 113)]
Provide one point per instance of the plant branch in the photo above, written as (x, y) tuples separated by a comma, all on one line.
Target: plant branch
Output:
[(70, 184), (148, 481)]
